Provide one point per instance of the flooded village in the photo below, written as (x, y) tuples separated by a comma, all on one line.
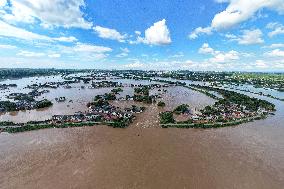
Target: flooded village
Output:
[(126, 121), (230, 108)]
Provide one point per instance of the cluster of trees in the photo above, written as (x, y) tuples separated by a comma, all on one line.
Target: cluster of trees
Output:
[(144, 98), (106, 96), (25, 72), (31, 127), (99, 101), (43, 104), (109, 96), (6, 86), (8, 106), (142, 90), (120, 123), (166, 117), (117, 90), (25, 97), (183, 108), (142, 95), (209, 110), (251, 103), (161, 104), (7, 123)]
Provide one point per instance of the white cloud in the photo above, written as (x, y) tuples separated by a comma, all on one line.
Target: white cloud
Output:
[(3, 3), (275, 53), (178, 55), (138, 32), (251, 37), (239, 11), (276, 27), (275, 45), (124, 52), (198, 31), (30, 54), (222, 1), (222, 57), (248, 37), (84, 52), (206, 49), (231, 36), (80, 47), (49, 12), (7, 47), (7, 30), (108, 33), (260, 64), (66, 39), (121, 55), (158, 34), (135, 65), (218, 56), (54, 55), (236, 12)]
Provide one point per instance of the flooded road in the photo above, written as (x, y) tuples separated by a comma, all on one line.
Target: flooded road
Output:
[(248, 156)]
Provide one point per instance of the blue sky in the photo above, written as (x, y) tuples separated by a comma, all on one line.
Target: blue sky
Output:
[(218, 35)]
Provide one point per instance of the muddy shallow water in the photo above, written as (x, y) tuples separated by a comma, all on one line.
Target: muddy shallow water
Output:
[(103, 157), (248, 156)]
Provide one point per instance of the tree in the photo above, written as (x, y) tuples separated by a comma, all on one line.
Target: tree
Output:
[(181, 109), (161, 104), (166, 117)]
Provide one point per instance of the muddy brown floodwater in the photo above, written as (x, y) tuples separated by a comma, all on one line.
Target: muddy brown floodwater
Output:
[(248, 156), (103, 157)]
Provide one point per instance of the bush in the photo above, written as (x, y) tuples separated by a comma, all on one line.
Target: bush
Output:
[(161, 104)]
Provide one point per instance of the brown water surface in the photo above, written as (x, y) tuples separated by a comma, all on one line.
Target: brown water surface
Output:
[(249, 156)]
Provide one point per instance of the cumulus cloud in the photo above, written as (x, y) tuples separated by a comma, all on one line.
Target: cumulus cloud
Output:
[(206, 49), (138, 32), (251, 37), (124, 52), (158, 34), (50, 13), (239, 11), (218, 56), (275, 53), (236, 12), (199, 31), (108, 33), (276, 27), (222, 57), (248, 37), (260, 64)]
